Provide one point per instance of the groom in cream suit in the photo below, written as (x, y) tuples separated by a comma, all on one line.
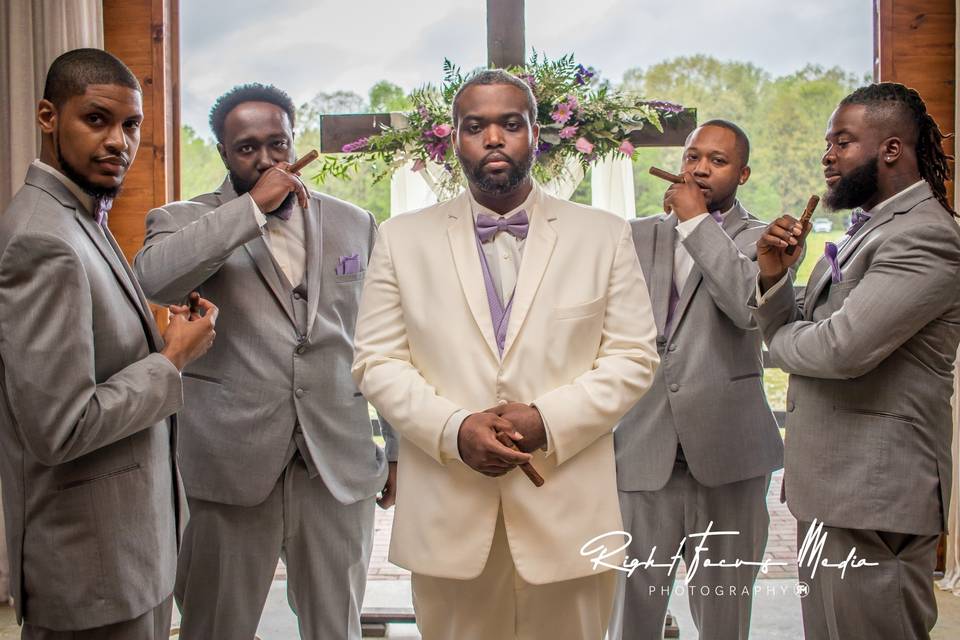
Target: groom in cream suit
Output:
[(508, 300)]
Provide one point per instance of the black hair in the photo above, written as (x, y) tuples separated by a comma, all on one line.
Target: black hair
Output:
[(253, 92), (894, 100), (72, 72), (497, 76), (743, 142)]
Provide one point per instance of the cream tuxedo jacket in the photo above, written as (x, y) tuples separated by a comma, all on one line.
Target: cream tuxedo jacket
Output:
[(580, 345)]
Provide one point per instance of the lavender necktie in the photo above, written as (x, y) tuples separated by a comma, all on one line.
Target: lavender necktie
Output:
[(101, 208), (858, 218), (516, 225)]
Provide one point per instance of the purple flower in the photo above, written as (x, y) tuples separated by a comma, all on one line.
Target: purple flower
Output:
[(584, 146), (568, 132), (573, 102), (543, 147), (354, 146), (626, 148), (437, 151), (423, 112), (562, 113), (442, 130), (583, 75), (419, 165)]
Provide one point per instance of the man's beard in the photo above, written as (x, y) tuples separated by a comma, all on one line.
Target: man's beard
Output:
[(854, 188), (516, 175), (242, 186), (85, 185)]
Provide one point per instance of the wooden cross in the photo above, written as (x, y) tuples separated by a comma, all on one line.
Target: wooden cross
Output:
[(505, 48)]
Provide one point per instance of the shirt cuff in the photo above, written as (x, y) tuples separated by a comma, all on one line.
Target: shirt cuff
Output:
[(686, 227), (257, 214), (763, 297), (548, 447), (448, 437)]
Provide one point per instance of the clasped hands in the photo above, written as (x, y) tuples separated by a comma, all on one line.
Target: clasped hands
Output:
[(477, 440)]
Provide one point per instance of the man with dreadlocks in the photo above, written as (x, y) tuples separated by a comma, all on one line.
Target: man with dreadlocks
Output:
[(870, 347)]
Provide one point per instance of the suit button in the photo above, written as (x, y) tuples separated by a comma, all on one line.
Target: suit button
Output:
[(301, 349), (296, 295), (672, 348), (674, 388), (791, 406), (299, 393)]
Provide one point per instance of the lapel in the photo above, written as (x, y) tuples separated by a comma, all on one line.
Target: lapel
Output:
[(260, 252), (821, 273), (537, 249), (736, 221), (663, 248), (466, 259), (313, 236)]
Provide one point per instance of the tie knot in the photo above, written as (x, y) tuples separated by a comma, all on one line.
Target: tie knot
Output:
[(716, 215), (101, 208), (858, 218), (516, 225)]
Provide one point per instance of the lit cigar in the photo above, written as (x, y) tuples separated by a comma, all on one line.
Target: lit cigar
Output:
[(665, 175), (805, 219), (304, 160), (526, 467)]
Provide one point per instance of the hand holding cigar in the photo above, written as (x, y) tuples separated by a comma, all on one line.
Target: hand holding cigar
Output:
[(526, 467), (805, 221)]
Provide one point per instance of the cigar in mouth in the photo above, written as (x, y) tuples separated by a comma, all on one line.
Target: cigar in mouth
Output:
[(526, 467), (805, 219), (665, 175), (304, 160)]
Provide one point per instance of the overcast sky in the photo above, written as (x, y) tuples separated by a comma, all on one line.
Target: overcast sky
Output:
[(309, 46)]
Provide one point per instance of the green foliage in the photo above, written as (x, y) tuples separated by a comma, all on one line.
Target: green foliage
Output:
[(784, 117), (386, 97), (202, 170)]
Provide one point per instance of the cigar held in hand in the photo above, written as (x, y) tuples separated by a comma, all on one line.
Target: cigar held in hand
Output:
[(526, 467), (665, 175), (805, 219)]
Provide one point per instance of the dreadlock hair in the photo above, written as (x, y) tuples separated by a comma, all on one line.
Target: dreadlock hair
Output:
[(932, 161)]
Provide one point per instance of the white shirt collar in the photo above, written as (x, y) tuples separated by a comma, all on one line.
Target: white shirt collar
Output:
[(85, 198)]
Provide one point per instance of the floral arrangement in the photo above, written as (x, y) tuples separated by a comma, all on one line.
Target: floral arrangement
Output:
[(581, 121)]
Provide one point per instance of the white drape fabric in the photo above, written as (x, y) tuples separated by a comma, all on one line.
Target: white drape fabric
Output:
[(613, 186)]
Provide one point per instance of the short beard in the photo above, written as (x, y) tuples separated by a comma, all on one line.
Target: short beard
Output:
[(517, 175), (855, 188), (85, 185), (241, 186)]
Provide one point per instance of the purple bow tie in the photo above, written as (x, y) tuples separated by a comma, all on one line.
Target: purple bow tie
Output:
[(101, 207), (516, 225), (716, 215), (858, 218)]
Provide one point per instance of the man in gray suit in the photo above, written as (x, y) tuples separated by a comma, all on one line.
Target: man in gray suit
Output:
[(92, 497), (277, 454), (870, 347), (699, 447)]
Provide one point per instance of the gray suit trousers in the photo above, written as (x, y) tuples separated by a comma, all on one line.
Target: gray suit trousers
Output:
[(720, 597), (152, 625), (229, 556), (893, 601)]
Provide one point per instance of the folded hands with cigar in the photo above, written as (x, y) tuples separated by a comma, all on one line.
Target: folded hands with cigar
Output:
[(495, 441)]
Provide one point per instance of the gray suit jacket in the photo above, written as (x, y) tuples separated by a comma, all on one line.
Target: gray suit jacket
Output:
[(708, 391), (91, 494), (281, 360), (871, 359)]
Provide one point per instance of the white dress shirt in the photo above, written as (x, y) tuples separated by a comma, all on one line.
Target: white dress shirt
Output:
[(286, 240)]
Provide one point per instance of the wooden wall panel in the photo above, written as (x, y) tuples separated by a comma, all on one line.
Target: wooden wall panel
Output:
[(142, 33), (915, 44)]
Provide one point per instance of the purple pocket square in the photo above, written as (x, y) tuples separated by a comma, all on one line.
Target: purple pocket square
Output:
[(348, 265)]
